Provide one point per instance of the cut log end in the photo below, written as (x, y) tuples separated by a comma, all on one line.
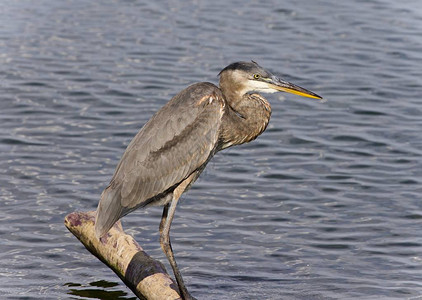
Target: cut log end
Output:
[(145, 276)]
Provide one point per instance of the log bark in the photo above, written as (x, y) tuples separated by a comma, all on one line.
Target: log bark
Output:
[(146, 277)]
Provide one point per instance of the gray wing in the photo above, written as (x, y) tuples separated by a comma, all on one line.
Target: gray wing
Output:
[(178, 140)]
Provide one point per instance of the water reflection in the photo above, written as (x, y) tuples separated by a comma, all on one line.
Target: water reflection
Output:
[(98, 290)]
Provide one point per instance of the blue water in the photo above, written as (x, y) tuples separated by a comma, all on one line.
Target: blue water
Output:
[(326, 204)]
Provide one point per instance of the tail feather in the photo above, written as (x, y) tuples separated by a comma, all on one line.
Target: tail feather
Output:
[(108, 212)]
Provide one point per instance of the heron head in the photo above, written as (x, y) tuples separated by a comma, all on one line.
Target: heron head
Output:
[(247, 77)]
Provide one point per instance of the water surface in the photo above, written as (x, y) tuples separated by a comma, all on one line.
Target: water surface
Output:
[(326, 204)]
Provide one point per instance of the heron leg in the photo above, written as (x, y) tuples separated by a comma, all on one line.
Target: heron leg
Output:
[(167, 218)]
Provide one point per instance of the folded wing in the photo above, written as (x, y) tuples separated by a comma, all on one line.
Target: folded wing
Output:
[(177, 141)]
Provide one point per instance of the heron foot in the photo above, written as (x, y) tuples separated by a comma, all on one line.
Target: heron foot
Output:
[(187, 296)]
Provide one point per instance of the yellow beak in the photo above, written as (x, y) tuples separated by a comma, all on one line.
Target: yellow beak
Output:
[(281, 85)]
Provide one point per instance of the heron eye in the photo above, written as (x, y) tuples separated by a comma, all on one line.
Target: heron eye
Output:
[(256, 76)]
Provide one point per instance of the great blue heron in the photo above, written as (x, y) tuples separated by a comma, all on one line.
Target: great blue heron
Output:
[(174, 146)]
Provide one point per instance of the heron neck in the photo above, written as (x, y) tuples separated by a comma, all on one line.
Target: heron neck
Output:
[(244, 120)]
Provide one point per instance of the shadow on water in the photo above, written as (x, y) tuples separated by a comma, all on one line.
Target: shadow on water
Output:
[(97, 290)]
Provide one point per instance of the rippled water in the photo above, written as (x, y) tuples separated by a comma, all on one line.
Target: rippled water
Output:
[(326, 204)]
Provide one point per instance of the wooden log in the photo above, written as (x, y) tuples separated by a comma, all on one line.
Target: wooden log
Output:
[(146, 277)]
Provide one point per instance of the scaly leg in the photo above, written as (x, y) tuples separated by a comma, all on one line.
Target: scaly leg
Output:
[(167, 218)]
